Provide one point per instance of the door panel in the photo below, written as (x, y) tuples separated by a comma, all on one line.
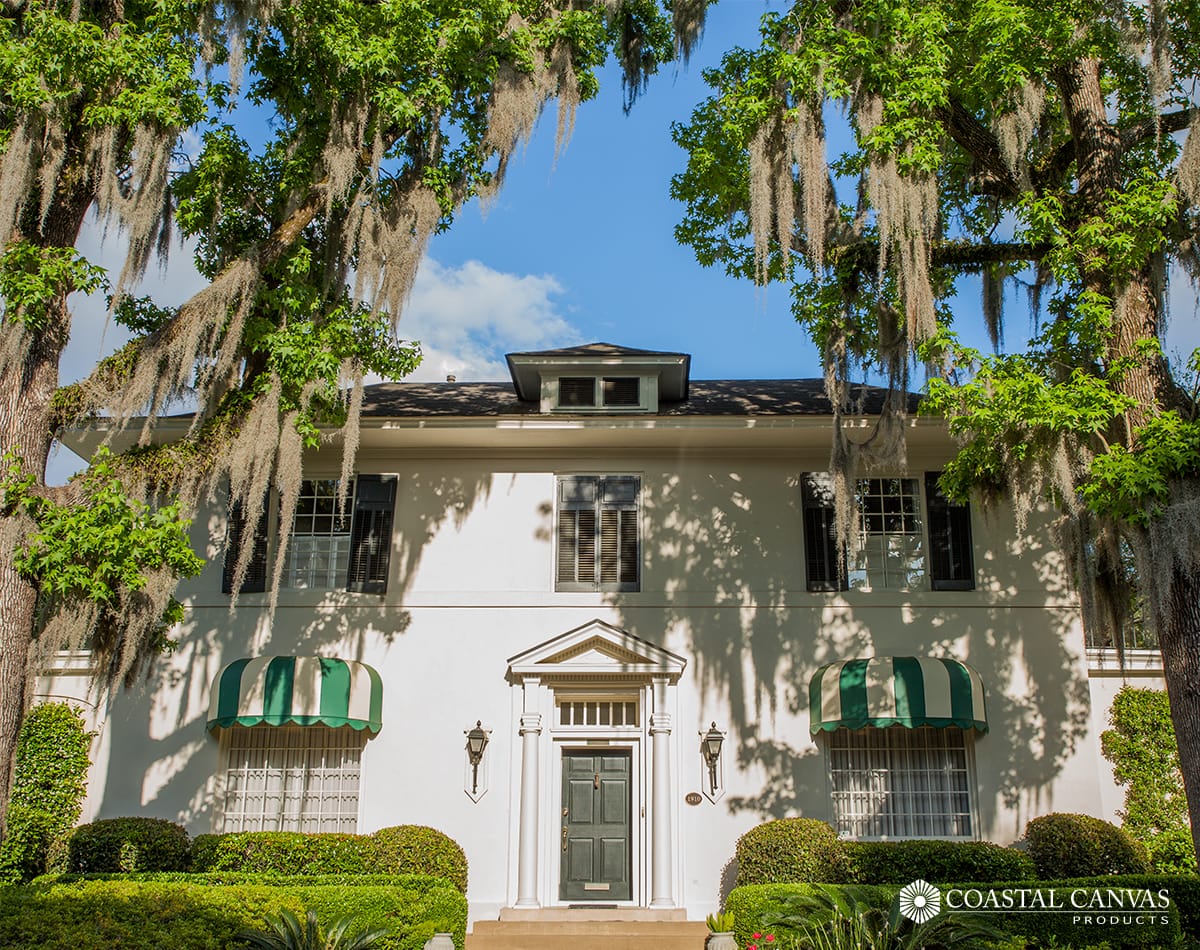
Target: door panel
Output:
[(596, 827)]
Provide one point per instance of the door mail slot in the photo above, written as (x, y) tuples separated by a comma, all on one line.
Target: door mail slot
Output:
[(595, 887)]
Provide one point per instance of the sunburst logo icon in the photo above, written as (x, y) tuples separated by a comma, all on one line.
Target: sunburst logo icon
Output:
[(920, 901)]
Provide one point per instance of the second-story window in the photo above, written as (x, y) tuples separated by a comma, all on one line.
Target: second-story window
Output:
[(889, 549), (328, 548), (319, 549), (598, 536)]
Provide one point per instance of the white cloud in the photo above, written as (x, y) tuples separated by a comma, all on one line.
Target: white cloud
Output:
[(468, 317), (94, 335), (1183, 328)]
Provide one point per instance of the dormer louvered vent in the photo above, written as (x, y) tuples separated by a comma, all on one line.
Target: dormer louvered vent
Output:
[(577, 391), (622, 391)]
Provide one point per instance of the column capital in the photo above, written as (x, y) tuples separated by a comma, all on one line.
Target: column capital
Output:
[(660, 723), (531, 723)]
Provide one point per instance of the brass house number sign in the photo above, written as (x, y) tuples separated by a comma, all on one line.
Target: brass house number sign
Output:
[(693, 798)]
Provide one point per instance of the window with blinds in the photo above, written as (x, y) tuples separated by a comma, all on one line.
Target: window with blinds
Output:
[(292, 778), (598, 537), (597, 393), (900, 783)]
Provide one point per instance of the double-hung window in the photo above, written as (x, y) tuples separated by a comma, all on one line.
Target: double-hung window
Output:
[(892, 545), (328, 547), (598, 533)]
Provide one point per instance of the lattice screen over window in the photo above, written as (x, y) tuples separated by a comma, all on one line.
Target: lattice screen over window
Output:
[(900, 783), (293, 778)]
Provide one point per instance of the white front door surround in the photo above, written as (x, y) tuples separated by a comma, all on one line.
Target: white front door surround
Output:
[(602, 663)]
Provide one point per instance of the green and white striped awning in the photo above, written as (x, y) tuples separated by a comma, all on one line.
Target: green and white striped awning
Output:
[(896, 691), (299, 690)]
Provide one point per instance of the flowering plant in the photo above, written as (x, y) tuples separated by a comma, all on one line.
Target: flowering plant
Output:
[(761, 942)]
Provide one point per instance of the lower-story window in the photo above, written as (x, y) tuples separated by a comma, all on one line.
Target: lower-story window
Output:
[(900, 783), (292, 778)]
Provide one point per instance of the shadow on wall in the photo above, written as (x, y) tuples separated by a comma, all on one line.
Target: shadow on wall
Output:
[(175, 761), (758, 635)]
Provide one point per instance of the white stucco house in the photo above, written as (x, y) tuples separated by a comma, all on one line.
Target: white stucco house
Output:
[(601, 566)]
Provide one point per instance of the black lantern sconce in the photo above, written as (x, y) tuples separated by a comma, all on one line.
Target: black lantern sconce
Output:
[(477, 740), (710, 747)]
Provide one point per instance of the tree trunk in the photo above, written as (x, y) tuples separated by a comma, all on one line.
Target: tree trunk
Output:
[(26, 387), (28, 380), (1178, 620)]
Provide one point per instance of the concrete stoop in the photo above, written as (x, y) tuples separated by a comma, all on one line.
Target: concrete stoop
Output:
[(586, 930)]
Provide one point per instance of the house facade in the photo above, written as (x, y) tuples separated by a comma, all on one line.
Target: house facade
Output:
[(592, 624)]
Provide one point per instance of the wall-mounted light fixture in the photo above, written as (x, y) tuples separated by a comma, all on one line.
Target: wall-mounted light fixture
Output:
[(710, 749), (477, 741)]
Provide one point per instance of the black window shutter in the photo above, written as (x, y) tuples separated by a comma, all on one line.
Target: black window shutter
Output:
[(255, 580), (371, 534), (824, 570), (951, 560)]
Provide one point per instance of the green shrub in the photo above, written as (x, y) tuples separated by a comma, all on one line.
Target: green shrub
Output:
[(791, 850), (755, 905), (128, 844), (1066, 846), (404, 849), (1145, 756), (417, 849), (49, 782), (1172, 852), (151, 915), (898, 862), (284, 852)]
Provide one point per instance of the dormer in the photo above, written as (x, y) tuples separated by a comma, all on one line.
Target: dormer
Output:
[(599, 378)]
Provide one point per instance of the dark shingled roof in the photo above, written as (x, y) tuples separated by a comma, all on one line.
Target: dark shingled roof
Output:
[(597, 349), (715, 397)]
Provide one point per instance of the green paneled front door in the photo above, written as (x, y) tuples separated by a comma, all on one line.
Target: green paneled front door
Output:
[(595, 832)]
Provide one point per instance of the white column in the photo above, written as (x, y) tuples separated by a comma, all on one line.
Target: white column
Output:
[(527, 853), (662, 855)]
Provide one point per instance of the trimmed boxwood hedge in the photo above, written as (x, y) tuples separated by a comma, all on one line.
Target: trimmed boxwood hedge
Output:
[(898, 862), (128, 844), (403, 849), (752, 903), (80, 914), (805, 850)]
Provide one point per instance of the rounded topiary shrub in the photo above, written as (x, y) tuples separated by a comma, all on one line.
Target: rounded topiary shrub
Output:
[(790, 851), (113, 845), (417, 849), (1065, 846)]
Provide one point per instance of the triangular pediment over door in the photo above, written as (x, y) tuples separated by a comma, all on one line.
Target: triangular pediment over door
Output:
[(597, 650)]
